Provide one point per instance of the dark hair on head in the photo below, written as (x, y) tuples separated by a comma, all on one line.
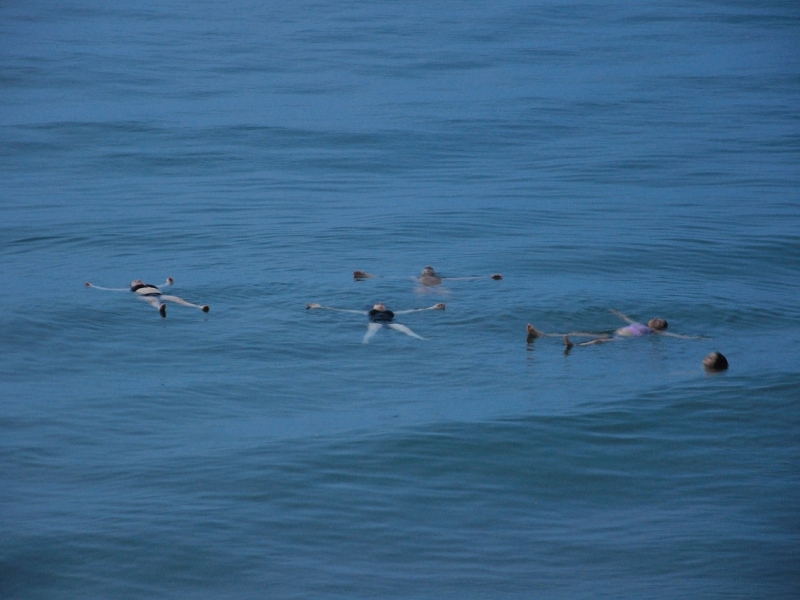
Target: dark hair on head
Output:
[(715, 361), (657, 324)]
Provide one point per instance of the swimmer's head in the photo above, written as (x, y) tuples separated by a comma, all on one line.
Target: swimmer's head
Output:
[(657, 324), (715, 362), (379, 306), (428, 272), (136, 282)]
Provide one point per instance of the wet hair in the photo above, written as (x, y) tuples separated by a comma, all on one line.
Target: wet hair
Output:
[(715, 362), (657, 324)]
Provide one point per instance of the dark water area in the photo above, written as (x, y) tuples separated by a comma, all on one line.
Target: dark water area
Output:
[(615, 156)]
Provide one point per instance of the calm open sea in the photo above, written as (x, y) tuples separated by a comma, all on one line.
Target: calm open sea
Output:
[(638, 156)]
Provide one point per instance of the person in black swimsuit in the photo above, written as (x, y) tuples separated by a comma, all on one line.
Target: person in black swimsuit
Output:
[(380, 316), (153, 295)]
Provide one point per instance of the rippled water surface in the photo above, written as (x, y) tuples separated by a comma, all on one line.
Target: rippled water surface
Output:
[(641, 157)]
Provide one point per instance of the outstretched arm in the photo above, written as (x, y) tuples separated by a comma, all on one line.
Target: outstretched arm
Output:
[(355, 312), (105, 289), (625, 318), (685, 337), (439, 306), (495, 276), (169, 281)]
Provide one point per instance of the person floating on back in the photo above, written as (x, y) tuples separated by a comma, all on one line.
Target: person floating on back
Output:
[(152, 295), (633, 329), (380, 316), (428, 277)]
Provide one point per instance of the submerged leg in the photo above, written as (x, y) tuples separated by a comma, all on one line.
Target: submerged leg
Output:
[(156, 303), (404, 329), (598, 341), (372, 329), (534, 333), (183, 302)]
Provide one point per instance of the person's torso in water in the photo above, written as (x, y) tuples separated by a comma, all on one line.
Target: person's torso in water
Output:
[(381, 316), (634, 329), (144, 289)]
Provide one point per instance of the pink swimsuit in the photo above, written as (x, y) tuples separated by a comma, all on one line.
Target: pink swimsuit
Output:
[(634, 329)]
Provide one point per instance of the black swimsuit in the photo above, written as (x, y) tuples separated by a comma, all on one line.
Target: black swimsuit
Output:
[(155, 291), (381, 316)]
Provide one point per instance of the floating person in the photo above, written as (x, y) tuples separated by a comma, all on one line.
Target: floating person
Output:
[(381, 316), (633, 329), (715, 361), (429, 277), (152, 295)]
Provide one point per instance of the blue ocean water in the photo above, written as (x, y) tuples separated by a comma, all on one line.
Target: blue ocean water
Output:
[(641, 157)]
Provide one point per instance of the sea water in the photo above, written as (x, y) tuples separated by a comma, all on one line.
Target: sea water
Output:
[(639, 157)]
